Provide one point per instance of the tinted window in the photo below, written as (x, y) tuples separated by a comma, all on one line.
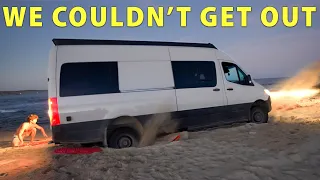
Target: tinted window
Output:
[(194, 74), (88, 78), (233, 73)]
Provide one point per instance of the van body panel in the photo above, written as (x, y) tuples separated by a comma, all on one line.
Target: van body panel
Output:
[(110, 106), (192, 54), (193, 119), (52, 65), (240, 97), (143, 76), (242, 94), (194, 99), (88, 53), (222, 55)]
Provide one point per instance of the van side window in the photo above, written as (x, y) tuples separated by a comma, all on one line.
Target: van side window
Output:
[(194, 74), (233, 73), (88, 78)]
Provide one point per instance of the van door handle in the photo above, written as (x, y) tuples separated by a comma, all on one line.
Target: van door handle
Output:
[(230, 89), (216, 89)]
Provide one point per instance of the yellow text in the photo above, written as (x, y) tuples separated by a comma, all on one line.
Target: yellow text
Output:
[(15, 16), (289, 16), (209, 19), (134, 17)]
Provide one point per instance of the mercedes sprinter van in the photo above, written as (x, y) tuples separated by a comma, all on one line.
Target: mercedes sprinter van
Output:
[(104, 91)]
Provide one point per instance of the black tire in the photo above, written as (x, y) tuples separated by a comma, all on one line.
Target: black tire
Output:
[(123, 138), (259, 115)]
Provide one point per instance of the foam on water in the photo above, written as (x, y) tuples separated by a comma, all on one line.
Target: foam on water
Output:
[(7, 111)]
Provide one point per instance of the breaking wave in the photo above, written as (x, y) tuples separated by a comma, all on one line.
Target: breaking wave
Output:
[(8, 111)]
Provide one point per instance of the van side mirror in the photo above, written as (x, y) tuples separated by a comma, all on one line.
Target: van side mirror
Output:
[(248, 79)]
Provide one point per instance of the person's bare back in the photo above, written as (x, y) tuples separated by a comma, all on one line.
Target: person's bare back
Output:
[(27, 129)]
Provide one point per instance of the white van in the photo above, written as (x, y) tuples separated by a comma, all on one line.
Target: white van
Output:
[(106, 90)]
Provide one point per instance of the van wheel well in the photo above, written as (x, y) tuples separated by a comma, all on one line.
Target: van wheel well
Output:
[(121, 128), (126, 121), (125, 125), (128, 135), (259, 104)]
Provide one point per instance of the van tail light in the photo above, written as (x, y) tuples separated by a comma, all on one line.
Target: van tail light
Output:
[(53, 111)]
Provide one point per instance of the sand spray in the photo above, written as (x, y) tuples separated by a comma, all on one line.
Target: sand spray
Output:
[(291, 92), (157, 124), (307, 78)]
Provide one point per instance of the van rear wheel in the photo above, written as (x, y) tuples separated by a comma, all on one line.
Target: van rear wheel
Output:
[(123, 138), (259, 115)]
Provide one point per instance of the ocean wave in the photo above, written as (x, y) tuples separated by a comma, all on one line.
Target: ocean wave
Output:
[(8, 111), (22, 105)]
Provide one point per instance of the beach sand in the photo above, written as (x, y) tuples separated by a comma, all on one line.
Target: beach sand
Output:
[(285, 148), (6, 137)]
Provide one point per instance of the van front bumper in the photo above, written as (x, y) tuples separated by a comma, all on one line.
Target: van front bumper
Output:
[(269, 104)]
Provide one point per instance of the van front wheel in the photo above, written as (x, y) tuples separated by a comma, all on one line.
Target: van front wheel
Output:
[(123, 138), (258, 115)]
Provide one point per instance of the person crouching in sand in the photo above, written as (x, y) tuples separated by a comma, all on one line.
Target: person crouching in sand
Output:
[(27, 129)]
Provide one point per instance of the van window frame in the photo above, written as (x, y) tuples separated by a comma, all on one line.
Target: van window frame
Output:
[(213, 82), (239, 70)]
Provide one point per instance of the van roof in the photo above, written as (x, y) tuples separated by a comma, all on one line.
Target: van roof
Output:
[(59, 42)]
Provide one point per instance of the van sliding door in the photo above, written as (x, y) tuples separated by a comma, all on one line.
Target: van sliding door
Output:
[(200, 96)]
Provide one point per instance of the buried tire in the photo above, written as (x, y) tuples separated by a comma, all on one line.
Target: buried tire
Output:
[(259, 115), (123, 138)]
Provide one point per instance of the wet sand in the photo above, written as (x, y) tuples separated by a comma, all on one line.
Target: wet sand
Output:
[(285, 148)]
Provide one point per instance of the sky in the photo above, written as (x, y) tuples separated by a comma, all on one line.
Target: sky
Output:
[(263, 52)]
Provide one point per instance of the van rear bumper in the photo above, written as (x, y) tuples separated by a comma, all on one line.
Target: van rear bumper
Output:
[(86, 132)]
